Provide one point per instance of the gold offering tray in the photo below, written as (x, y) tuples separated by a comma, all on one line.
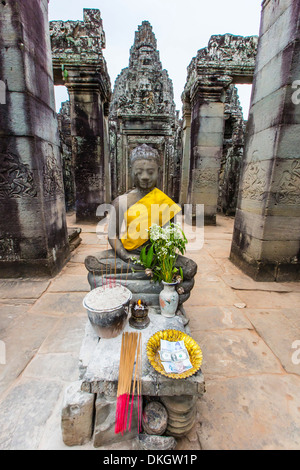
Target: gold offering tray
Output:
[(192, 347)]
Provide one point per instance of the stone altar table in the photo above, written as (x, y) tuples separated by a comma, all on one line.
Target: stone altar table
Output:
[(98, 374)]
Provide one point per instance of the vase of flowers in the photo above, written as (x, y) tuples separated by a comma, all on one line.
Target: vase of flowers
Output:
[(159, 260), (168, 299)]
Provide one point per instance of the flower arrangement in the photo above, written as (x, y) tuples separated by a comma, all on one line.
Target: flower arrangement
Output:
[(160, 256)]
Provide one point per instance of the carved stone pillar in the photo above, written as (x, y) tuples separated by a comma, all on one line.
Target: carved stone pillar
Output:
[(186, 146), (266, 237), (90, 155), (207, 134), (78, 63), (33, 232)]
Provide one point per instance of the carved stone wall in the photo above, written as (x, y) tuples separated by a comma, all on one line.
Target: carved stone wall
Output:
[(79, 64), (143, 111), (227, 59), (33, 232), (266, 239), (233, 150), (64, 125)]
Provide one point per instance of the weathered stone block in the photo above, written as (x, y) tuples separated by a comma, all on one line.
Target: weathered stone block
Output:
[(279, 35), (104, 432), (77, 415)]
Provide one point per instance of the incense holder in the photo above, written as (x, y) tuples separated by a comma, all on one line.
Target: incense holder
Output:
[(139, 315), (107, 309)]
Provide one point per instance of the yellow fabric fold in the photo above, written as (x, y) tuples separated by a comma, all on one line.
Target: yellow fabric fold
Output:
[(154, 208)]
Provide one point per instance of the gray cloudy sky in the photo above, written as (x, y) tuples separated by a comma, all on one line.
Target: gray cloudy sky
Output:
[(181, 27)]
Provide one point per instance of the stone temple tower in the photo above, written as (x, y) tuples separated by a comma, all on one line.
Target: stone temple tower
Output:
[(143, 111)]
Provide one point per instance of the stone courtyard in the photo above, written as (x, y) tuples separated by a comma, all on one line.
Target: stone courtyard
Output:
[(246, 330)]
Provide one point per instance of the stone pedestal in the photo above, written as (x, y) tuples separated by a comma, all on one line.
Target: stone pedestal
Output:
[(267, 225), (34, 239), (99, 371)]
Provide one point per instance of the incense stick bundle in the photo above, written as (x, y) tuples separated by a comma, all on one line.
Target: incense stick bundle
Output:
[(130, 349)]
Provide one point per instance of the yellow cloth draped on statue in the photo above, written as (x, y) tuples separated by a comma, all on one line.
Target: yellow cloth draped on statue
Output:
[(154, 208)]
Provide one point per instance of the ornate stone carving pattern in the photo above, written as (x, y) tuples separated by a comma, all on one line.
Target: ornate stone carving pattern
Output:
[(52, 175), (16, 178), (288, 191), (254, 181), (143, 87)]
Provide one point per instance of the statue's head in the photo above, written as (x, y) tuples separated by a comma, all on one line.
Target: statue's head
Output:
[(144, 163)]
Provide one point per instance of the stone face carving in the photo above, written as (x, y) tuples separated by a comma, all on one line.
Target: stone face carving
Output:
[(16, 178), (142, 111), (144, 87)]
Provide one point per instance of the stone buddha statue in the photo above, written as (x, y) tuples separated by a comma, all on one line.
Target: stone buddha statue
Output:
[(116, 264)]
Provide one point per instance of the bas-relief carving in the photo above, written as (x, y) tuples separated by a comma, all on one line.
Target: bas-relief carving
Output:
[(16, 178), (288, 190), (202, 179), (93, 181), (254, 181), (52, 174), (9, 248)]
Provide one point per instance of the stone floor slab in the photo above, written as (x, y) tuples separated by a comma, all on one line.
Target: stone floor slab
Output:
[(280, 337), (215, 318), (66, 336), (243, 282), (22, 340), (207, 293), (22, 289), (67, 303), (232, 353), (24, 413), (57, 366), (261, 412), (70, 283), (258, 299)]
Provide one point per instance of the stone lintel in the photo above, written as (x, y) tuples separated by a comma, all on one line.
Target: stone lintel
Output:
[(83, 77), (210, 88)]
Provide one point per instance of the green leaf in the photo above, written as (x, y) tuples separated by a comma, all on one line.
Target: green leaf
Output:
[(143, 255), (149, 257)]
